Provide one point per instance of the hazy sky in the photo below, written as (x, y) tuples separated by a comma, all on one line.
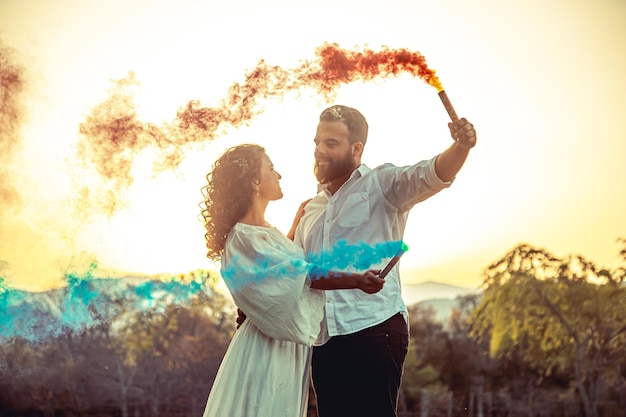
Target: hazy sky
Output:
[(542, 81)]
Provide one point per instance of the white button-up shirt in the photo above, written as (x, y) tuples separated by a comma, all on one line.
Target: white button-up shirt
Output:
[(370, 208)]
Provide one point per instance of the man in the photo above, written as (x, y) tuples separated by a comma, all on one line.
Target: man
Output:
[(359, 356)]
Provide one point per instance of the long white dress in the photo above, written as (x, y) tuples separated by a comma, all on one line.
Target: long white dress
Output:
[(265, 372)]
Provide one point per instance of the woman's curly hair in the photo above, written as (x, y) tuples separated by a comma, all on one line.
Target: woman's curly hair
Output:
[(228, 194)]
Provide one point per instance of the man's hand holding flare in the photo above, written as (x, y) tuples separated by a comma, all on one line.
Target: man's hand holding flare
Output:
[(463, 133), (369, 282)]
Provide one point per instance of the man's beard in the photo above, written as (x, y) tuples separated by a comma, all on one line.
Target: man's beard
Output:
[(334, 169)]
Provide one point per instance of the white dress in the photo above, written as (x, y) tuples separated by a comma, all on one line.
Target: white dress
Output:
[(265, 372)]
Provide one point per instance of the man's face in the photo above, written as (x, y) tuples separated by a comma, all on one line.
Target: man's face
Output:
[(333, 152)]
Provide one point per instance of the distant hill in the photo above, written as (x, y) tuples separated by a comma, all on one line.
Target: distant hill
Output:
[(442, 298), (431, 290), (36, 316), (85, 302), (442, 307)]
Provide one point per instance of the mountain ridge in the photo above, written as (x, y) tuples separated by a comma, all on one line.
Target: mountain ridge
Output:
[(433, 290), (83, 302)]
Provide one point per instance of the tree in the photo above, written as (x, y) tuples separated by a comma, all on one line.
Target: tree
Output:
[(148, 347), (155, 337), (557, 314), (422, 361)]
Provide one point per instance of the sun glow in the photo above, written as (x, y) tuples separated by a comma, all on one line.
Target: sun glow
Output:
[(543, 171)]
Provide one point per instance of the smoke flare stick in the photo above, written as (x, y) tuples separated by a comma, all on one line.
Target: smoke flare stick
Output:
[(448, 105), (393, 261)]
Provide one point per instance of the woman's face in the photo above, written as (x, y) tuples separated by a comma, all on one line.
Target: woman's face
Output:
[(269, 186)]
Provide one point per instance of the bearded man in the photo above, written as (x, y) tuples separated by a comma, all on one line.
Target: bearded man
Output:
[(359, 355)]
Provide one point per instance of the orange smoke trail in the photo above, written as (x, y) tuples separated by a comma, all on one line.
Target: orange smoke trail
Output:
[(113, 134), (29, 247), (333, 67), (339, 66), (12, 86)]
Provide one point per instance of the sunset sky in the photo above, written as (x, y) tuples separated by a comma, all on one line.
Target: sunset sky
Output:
[(542, 81)]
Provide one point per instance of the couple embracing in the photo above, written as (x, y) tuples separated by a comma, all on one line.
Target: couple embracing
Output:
[(303, 315)]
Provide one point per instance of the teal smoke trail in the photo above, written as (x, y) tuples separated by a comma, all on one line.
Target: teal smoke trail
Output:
[(85, 302), (88, 300), (342, 257), (154, 293), (360, 257), (75, 312)]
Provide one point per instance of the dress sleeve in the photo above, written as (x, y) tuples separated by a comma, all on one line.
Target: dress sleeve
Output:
[(268, 279)]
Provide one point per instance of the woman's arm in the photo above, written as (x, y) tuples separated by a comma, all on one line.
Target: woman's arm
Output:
[(368, 282), (292, 232)]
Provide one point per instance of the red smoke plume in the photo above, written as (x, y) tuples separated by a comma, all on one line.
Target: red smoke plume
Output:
[(334, 66), (12, 86), (112, 137), (113, 134)]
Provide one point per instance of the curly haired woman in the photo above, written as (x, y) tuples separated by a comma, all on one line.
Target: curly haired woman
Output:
[(265, 371)]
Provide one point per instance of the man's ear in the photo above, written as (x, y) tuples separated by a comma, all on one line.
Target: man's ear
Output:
[(357, 149)]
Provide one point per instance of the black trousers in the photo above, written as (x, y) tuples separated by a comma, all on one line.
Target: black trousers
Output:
[(359, 374)]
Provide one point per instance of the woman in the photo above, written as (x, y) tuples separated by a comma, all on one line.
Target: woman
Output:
[(265, 371)]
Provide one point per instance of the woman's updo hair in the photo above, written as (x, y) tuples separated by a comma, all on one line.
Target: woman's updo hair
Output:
[(228, 193)]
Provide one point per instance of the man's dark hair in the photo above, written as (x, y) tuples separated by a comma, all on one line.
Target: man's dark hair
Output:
[(352, 118)]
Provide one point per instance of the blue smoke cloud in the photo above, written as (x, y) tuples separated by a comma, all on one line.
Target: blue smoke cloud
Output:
[(342, 257), (359, 257), (88, 300)]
